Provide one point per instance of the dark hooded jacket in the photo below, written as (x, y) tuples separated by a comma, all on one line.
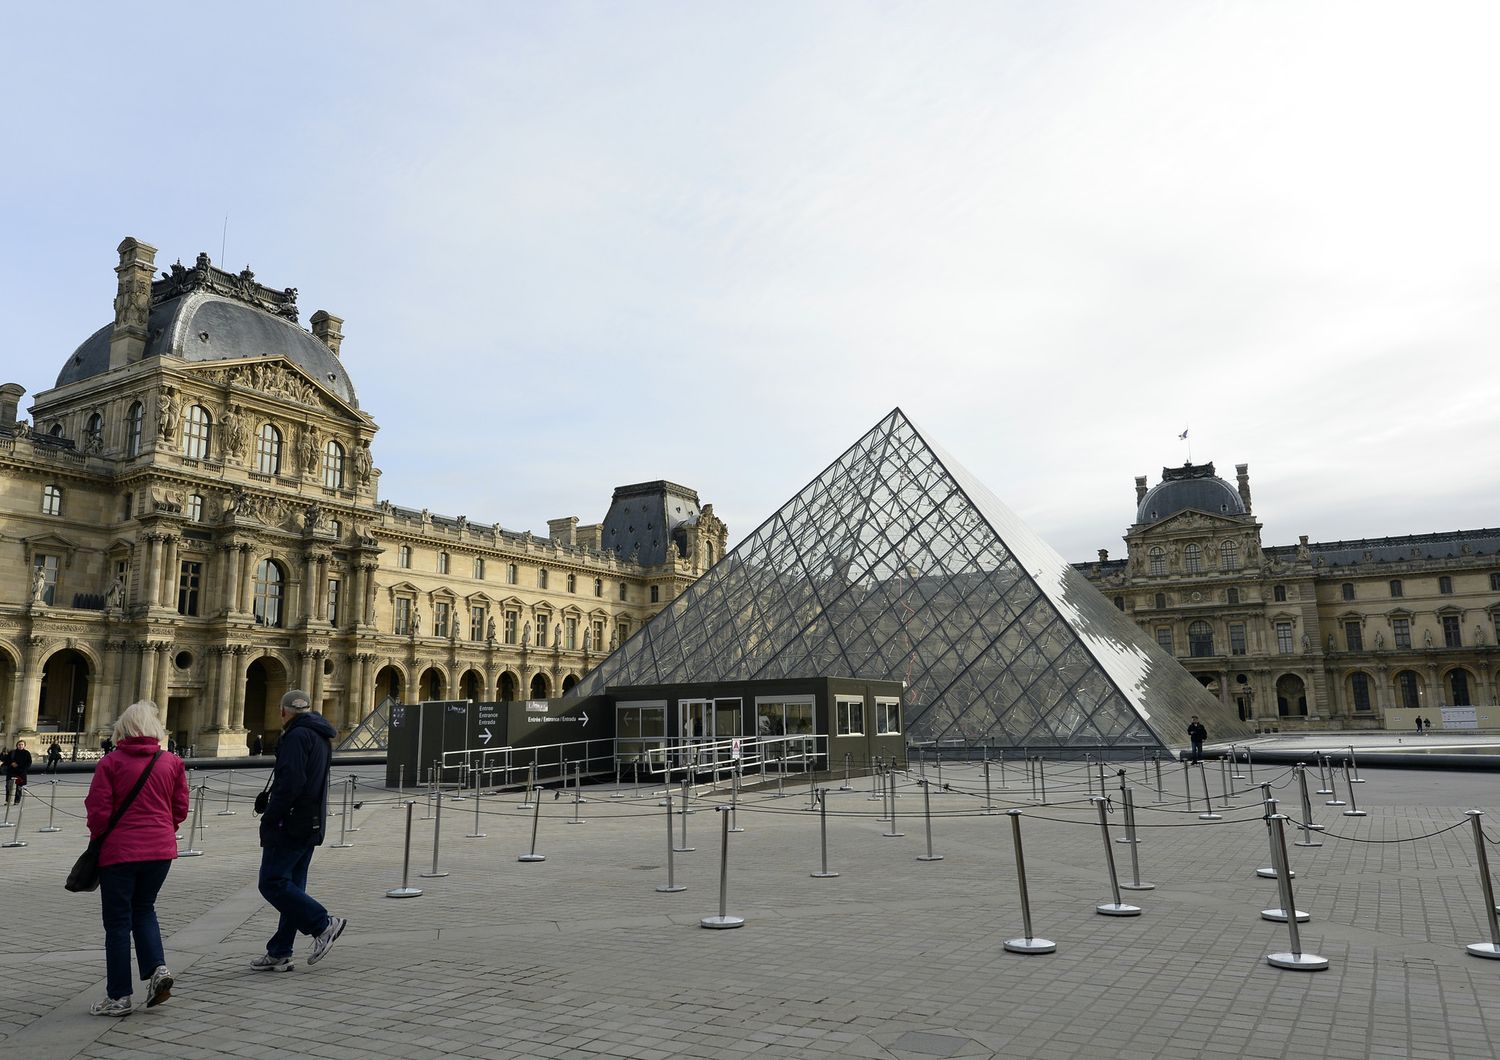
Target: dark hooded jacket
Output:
[(298, 803)]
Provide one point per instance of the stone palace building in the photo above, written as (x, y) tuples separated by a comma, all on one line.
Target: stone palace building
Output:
[(192, 516), (1353, 634)]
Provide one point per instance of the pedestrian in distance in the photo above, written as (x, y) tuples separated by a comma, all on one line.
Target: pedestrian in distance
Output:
[(1197, 734), (5, 759), (106, 745), (1419, 725), (20, 767), (137, 853), (54, 756), (291, 828)]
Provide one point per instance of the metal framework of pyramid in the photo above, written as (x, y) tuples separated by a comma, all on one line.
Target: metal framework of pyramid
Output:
[(895, 563)]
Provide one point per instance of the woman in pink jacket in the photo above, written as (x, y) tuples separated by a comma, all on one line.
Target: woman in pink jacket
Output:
[(136, 855)]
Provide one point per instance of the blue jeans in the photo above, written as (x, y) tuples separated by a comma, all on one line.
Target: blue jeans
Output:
[(283, 883), (127, 896)]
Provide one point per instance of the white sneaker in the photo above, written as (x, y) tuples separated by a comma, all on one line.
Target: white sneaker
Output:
[(266, 963), (111, 1006), (161, 987), (324, 942)]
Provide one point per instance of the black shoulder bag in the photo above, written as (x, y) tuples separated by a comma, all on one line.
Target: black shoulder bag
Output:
[(85, 873)]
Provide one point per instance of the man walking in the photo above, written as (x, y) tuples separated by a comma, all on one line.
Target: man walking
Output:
[(20, 768), (1197, 733), (291, 828)]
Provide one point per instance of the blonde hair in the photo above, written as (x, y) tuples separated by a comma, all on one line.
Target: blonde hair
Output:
[(140, 719)]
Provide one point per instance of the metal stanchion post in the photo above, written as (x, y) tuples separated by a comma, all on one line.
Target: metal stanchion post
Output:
[(1224, 779), (1099, 762), (536, 813), (7, 823), (1322, 760), (890, 791), (812, 789), (16, 840), (437, 835), (1027, 943), (1277, 915), (463, 782), (734, 799), (195, 825), (1333, 785), (1156, 761), (1117, 907), (1234, 753), (848, 758), (343, 842), (875, 792), (723, 920), (1249, 761), (1490, 949), (1355, 763), (1308, 827), (823, 838), (927, 819), (1353, 810), (51, 811), (671, 886), (530, 787), (1088, 774), (1268, 872), (476, 834), (1135, 883), (1129, 836), (1041, 773), (228, 784), (683, 848), (1295, 960), (401, 782), (406, 891), (1002, 769), (989, 802), (576, 789), (1209, 814), (1187, 783)]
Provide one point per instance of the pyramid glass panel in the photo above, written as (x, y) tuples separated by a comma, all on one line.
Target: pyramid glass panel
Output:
[(895, 563)]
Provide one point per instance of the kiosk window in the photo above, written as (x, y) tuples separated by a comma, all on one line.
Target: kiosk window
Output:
[(887, 716), (851, 717)]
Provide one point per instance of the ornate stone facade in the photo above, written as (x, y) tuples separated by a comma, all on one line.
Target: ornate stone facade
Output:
[(192, 517), (1351, 634)]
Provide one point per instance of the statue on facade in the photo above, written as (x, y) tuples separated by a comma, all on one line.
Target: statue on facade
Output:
[(614, 640), (1330, 642), (526, 636), (116, 594), (588, 640), (557, 635), (416, 621), (1379, 640), (489, 630), (362, 462), (1427, 638), (1306, 642), (309, 448), (168, 414), (312, 516), (39, 586), (1479, 634), (233, 430)]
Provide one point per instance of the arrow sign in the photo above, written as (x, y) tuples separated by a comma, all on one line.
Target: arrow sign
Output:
[(584, 718), (486, 736)]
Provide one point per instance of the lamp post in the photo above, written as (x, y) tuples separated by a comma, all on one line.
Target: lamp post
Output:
[(77, 728)]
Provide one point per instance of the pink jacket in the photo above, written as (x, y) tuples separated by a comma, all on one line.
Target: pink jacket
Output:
[(148, 830)]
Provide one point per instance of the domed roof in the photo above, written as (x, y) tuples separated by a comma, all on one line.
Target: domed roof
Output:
[(206, 321), (1191, 486)]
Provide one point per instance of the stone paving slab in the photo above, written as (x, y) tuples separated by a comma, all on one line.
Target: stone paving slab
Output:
[(580, 956)]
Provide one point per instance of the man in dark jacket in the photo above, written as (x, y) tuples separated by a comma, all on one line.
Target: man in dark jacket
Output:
[(20, 768), (1197, 734), (291, 828)]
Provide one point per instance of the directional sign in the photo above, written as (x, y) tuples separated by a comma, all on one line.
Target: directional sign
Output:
[(583, 718), (485, 736)]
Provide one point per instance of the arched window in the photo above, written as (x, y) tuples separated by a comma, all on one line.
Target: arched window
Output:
[(195, 507), (1458, 688), (196, 426), (442, 563), (1192, 559), (1200, 639), (1161, 601), (598, 586), (135, 423), (333, 466), (572, 583), (1359, 691), (1158, 556), (403, 556), (51, 500), (1229, 556), (1408, 688), (269, 583), (1233, 596), (268, 450), (93, 433)]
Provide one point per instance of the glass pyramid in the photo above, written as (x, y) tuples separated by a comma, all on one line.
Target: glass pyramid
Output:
[(896, 563)]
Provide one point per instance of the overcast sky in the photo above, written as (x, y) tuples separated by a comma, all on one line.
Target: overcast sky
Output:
[(582, 245)]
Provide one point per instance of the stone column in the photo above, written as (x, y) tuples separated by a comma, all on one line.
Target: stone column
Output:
[(169, 573), (320, 590), (224, 687), (145, 671), (24, 713), (228, 554), (367, 614), (247, 577), (309, 566), (366, 701), (237, 689), (153, 570), (319, 655), (163, 678), (104, 690)]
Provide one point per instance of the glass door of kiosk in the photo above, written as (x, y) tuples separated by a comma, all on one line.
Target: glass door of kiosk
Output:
[(708, 725)]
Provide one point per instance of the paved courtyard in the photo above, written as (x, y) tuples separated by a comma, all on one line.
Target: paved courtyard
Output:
[(579, 955)]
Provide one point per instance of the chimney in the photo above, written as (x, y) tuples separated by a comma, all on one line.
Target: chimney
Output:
[(127, 343), (1243, 473), (328, 329), (1104, 555), (563, 531), (1140, 488), (10, 400)]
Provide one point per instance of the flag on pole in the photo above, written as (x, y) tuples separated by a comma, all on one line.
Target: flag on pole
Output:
[(1182, 437)]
